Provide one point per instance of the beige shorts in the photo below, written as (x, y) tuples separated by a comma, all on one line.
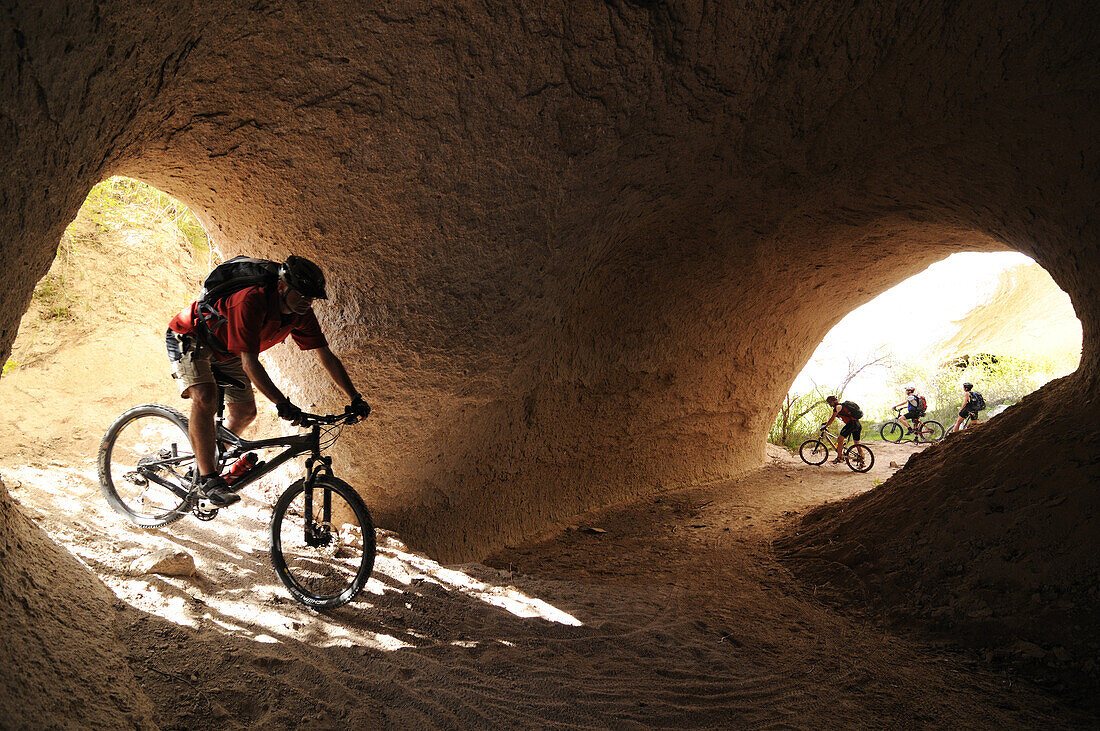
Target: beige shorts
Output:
[(195, 365)]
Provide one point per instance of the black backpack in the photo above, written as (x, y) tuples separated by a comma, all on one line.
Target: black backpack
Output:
[(976, 401), (853, 409), (236, 274), (227, 278)]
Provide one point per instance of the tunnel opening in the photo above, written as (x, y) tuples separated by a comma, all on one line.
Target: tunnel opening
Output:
[(983, 540), (90, 346), (996, 319)]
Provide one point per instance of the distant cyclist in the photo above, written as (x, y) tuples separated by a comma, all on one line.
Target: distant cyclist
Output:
[(247, 322), (972, 404), (914, 404), (850, 414)]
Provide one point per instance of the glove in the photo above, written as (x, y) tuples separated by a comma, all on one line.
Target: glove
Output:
[(288, 411), (359, 407), (824, 424)]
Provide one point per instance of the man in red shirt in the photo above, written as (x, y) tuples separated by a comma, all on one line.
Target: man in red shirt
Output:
[(255, 319), (852, 426)]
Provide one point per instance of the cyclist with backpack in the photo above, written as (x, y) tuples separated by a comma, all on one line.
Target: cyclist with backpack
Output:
[(850, 413), (972, 404), (247, 306), (916, 407)]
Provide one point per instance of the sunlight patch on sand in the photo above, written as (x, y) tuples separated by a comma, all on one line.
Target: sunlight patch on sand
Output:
[(507, 598)]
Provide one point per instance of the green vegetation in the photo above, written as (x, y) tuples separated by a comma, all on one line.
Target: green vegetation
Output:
[(801, 415), (52, 293), (1001, 380), (9, 366), (114, 205), (118, 203), (799, 418)]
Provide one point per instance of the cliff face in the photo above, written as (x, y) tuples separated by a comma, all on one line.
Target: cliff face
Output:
[(1026, 316), (578, 251)]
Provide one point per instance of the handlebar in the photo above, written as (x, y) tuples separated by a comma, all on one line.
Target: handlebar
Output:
[(309, 419)]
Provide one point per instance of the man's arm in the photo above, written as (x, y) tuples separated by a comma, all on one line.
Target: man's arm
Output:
[(258, 375), (336, 372)]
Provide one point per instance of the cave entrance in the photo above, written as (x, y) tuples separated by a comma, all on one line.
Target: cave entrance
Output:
[(90, 346), (92, 341), (995, 319)]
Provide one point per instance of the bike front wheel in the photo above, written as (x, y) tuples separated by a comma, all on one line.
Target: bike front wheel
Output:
[(891, 431), (859, 458), (145, 464), (930, 431), (813, 451), (322, 542)]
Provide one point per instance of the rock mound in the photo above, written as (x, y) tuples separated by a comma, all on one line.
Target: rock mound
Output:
[(993, 549), (61, 662)]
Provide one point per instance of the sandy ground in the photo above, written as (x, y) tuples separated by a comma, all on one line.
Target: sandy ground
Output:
[(673, 612)]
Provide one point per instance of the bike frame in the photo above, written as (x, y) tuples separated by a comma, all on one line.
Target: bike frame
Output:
[(829, 438), (296, 445), (916, 424)]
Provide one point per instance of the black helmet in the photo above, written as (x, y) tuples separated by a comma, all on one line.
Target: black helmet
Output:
[(968, 385), (303, 275), (830, 399)]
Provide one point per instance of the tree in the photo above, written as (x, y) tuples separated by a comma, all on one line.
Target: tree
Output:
[(790, 422)]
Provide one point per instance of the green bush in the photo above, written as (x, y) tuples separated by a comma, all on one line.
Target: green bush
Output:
[(799, 418), (119, 202), (1000, 380)]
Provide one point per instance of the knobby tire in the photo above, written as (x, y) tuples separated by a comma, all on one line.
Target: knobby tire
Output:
[(851, 456), (137, 436), (892, 431), (814, 452), (318, 576)]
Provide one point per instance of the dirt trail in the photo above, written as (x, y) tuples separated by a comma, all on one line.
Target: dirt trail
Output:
[(669, 613)]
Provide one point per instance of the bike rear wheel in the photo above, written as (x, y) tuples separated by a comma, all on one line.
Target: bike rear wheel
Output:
[(892, 431), (930, 431), (145, 461), (322, 542), (860, 458), (813, 451)]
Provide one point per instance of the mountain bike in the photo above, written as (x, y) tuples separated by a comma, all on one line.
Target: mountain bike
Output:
[(322, 535), (923, 431), (859, 457)]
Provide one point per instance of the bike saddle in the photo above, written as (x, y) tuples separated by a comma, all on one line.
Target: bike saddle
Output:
[(224, 381)]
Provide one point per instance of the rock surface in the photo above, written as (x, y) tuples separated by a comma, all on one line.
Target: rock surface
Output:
[(166, 562), (60, 660), (578, 251)]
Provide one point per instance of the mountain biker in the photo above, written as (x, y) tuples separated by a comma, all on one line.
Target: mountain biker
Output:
[(969, 408), (913, 410), (256, 318), (852, 426)]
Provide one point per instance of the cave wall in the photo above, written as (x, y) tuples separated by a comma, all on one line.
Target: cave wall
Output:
[(578, 251)]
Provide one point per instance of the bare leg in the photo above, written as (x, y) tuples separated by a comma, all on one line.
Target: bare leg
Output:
[(204, 403), (241, 415)]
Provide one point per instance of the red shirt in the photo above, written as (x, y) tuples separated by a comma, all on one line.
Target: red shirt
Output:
[(845, 415), (255, 323)]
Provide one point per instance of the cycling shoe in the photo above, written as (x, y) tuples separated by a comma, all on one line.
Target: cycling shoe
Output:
[(217, 492)]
